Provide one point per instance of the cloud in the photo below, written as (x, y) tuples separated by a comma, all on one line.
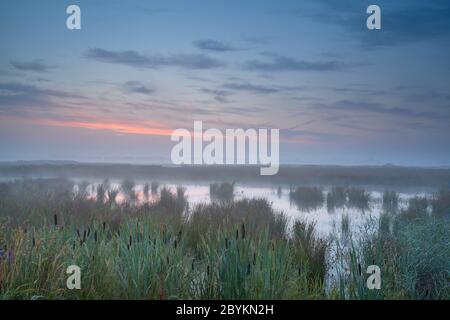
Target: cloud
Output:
[(213, 45), (402, 22), (250, 88), (15, 96), (137, 87), (219, 95), (307, 136), (135, 59), (377, 108), (281, 63), (37, 65)]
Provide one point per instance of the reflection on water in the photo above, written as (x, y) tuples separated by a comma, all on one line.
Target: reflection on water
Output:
[(331, 214)]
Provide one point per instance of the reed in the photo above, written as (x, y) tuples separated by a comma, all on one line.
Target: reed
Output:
[(233, 250), (307, 198)]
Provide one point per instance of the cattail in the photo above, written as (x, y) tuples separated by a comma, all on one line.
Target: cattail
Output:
[(167, 260), (95, 236), (73, 246), (33, 241), (226, 243), (104, 226), (55, 220), (207, 270), (128, 247), (192, 265), (10, 257), (89, 231), (254, 258), (175, 243), (237, 234), (299, 272), (243, 231), (84, 235), (78, 233), (180, 233), (359, 269), (131, 240), (248, 269)]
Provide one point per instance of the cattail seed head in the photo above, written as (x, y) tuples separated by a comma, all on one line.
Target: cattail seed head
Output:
[(248, 269), (55, 220), (243, 231)]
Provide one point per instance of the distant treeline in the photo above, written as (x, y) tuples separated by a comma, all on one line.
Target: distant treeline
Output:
[(295, 175)]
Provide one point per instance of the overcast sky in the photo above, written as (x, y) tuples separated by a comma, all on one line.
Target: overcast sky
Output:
[(114, 90)]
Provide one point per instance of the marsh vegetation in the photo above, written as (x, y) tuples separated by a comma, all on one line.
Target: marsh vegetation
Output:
[(235, 249)]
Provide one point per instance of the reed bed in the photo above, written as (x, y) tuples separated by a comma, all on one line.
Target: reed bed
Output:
[(307, 198), (224, 250)]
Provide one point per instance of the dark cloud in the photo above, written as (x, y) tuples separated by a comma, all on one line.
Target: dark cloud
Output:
[(37, 65), (15, 95), (360, 107), (250, 88), (401, 21), (137, 87), (135, 59), (213, 45), (219, 95), (282, 63)]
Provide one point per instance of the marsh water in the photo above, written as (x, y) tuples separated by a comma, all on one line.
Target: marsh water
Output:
[(326, 220)]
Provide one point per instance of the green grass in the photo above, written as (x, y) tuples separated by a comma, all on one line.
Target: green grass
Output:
[(223, 250)]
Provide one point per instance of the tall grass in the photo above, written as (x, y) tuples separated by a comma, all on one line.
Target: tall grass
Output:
[(336, 198), (358, 198), (390, 201), (307, 198), (440, 203), (221, 192), (225, 250)]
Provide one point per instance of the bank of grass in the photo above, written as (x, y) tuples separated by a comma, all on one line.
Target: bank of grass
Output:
[(412, 249), (158, 250), (226, 250)]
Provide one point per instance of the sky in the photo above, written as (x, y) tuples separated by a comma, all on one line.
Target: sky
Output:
[(116, 89)]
